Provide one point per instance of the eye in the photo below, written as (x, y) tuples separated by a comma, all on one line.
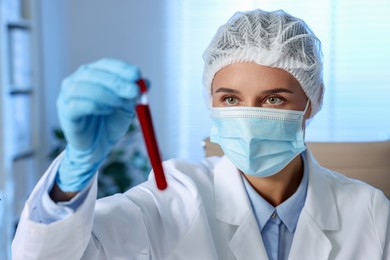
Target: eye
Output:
[(274, 101), (230, 101)]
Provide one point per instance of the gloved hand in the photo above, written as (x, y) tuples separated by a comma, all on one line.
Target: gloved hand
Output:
[(95, 107)]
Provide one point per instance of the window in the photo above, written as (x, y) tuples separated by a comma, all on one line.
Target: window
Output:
[(355, 37)]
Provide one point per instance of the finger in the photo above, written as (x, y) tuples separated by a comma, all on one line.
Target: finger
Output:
[(91, 92), (121, 116), (78, 108), (117, 67), (121, 87), (90, 100)]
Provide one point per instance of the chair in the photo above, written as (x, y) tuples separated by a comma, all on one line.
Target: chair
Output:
[(365, 161)]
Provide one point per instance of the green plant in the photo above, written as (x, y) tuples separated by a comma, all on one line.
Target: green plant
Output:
[(126, 165)]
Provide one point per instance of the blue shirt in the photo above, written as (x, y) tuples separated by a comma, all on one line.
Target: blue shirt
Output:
[(277, 225)]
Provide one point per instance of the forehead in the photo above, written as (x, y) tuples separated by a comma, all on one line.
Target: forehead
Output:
[(248, 76)]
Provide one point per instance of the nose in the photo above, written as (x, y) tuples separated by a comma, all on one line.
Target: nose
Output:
[(252, 102)]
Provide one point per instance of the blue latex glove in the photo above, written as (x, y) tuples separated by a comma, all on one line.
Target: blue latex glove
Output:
[(95, 108)]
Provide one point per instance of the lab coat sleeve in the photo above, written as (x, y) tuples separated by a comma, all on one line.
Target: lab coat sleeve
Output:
[(142, 223), (110, 228), (381, 215), (44, 210), (54, 232)]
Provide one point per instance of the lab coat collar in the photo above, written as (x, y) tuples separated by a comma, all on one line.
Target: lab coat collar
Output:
[(319, 214), (233, 208), (231, 201), (320, 202)]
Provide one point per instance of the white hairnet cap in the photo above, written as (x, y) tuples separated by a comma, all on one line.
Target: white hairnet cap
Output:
[(274, 39)]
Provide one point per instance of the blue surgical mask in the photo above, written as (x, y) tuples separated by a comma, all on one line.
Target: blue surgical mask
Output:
[(258, 141)]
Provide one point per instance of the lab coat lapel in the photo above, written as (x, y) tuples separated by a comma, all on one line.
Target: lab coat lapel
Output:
[(233, 208), (310, 241), (319, 214), (246, 243)]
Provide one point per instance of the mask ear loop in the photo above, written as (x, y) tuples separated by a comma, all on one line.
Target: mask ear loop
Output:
[(306, 107), (308, 120)]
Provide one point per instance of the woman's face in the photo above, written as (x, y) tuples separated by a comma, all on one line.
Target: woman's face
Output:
[(250, 84)]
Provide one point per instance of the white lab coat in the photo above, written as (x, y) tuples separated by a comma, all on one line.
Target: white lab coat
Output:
[(205, 214)]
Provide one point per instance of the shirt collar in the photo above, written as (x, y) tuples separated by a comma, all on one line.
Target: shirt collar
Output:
[(288, 211)]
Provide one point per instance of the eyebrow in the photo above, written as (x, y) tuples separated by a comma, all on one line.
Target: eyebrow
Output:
[(277, 90), (227, 90), (269, 91)]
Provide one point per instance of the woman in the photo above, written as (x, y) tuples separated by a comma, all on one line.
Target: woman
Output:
[(267, 198)]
